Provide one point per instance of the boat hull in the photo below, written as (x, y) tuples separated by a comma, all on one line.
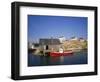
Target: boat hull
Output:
[(31, 50), (60, 54)]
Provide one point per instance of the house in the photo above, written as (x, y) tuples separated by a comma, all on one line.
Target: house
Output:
[(33, 45), (30, 45), (49, 44), (74, 38), (82, 40), (62, 39)]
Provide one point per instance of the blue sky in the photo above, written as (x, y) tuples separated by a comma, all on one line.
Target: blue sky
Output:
[(40, 26)]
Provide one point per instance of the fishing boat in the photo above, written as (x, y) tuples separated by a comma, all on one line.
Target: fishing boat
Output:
[(66, 53)]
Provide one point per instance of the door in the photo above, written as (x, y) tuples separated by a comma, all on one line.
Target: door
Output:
[(47, 47)]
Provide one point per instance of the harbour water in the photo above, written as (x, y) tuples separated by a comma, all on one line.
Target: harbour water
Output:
[(74, 59)]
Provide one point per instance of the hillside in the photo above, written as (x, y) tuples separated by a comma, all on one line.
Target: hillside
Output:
[(74, 45)]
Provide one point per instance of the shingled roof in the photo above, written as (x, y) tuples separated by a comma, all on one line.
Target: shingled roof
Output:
[(49, 42)]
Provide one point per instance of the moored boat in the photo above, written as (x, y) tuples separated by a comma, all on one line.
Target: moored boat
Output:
[(31, 50), (61, 54)]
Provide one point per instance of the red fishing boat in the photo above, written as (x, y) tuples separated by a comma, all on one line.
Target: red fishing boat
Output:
[(61, 54)]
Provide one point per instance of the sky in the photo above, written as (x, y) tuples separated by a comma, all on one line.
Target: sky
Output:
[(42, 26)]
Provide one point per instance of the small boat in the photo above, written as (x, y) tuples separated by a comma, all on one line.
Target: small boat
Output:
[(61, 54), (31, 50)]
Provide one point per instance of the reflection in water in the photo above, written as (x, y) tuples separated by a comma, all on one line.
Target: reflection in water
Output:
[(76, 58), (62, 59)]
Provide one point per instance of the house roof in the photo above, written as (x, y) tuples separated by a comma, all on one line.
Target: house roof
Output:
[(49, 41)]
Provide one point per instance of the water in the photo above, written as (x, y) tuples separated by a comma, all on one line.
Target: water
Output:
[(75, 58)]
